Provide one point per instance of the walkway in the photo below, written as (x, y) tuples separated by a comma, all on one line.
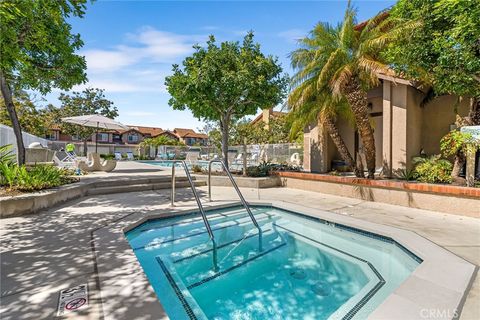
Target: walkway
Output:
[(45, 253)]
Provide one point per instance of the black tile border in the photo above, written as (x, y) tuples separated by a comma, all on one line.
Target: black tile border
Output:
[(381, 281), (179, 293), (176, 289), (348, 228), (351, 313), (218, 274), (236, 223), (220, 246)]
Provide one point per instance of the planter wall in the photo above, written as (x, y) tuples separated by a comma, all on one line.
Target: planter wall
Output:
[(443, 198)]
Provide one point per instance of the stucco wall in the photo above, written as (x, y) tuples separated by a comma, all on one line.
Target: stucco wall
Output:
[(438, 115), (399, 128), (414, 124)]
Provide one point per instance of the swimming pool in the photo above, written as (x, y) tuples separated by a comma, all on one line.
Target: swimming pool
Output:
[(304, 268)]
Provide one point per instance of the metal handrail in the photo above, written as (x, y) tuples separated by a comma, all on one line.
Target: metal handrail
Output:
[(199, 203), (235, 186)]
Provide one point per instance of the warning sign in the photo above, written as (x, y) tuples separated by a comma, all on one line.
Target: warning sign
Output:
[(72, 299)]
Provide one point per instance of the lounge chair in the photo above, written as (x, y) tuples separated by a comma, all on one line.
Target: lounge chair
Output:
[(130, 155), (118, 156), (192, 157), (295, 159), (64, 159)]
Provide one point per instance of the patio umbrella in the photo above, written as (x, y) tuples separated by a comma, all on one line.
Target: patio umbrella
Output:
[(96, 121)]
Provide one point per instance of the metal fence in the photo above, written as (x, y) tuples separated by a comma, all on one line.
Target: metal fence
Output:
[(102, 148), (285, 153)]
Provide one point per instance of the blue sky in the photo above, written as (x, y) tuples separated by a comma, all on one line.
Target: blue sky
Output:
[(131, 45)]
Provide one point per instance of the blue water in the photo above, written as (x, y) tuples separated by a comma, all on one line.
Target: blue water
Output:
[(169, 164), (298, 269)]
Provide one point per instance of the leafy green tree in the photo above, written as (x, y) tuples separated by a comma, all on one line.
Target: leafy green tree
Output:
[(31, 118), (157, 141), (89, 101), (37, 51), (226, 82), (443, 52)]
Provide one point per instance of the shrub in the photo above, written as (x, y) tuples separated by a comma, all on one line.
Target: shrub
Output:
[(107, 156), (37, 177), (262, 170), (197, 169), (432, 169), (405, 174)]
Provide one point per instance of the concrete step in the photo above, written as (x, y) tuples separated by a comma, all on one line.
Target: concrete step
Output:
[(141, 187), (137, 180)]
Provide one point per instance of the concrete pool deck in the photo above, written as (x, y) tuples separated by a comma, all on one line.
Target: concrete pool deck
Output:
[(47, 252)]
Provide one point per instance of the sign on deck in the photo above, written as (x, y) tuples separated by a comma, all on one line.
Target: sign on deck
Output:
[(73, 299)]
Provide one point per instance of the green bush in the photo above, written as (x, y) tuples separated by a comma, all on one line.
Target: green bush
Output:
[(107, 156), (432, 169), (262, 170), (197, 169), (25, 178)]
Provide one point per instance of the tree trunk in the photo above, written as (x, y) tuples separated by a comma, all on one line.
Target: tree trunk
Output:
[(341, 147), (357, 98), (244, 157), (12, 113), (472, 119), (224, 128), (85, 147)]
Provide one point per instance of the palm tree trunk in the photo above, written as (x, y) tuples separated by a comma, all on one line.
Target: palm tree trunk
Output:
[(357, 98), (472, 119), (341, 147), (12, 113)]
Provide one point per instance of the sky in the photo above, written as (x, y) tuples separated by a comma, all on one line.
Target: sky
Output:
[(130, 46)]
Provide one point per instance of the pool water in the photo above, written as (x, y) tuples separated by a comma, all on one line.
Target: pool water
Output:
[(300, 268), (168, 163)]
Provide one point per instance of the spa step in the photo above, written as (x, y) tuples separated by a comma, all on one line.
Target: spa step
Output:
[(141, 187), (199, 267), (195, 237)]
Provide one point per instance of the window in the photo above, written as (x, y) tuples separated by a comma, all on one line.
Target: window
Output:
[(50, 136), (75, 137), (132, 138), (102, 137)]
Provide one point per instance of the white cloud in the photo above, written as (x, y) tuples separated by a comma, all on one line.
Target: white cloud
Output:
[(292, 35), (146, 45)]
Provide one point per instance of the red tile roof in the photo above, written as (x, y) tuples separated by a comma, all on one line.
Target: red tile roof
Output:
[(181, 132), (152, 131)]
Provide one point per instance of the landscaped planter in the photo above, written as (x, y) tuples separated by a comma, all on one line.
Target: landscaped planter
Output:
[(443, 198)]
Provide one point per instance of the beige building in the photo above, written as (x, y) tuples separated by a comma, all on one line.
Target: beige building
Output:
[(402, 128)]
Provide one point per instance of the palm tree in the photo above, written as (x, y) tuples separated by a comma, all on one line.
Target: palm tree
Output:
[(307, 100), (350, 65)]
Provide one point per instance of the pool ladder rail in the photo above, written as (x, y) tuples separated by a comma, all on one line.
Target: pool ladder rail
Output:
[(200, 206)]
